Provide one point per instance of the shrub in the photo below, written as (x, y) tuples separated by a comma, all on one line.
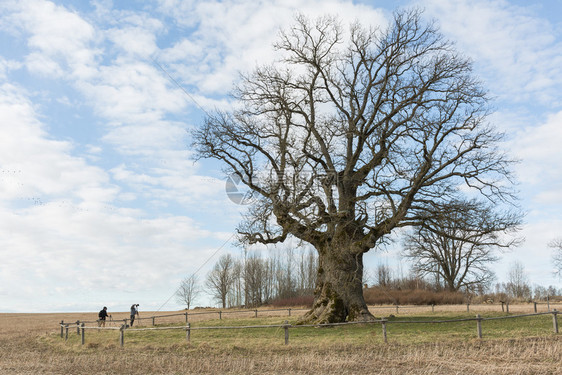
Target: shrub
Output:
[(379, 296), (293, 301)]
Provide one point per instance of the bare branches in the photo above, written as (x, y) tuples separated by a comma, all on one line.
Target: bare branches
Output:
[(457, 242), (220, 278), (556, 245), (188, 291), (359, 132)]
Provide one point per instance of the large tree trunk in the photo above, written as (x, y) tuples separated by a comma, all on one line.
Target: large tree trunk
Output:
[(339, 289)]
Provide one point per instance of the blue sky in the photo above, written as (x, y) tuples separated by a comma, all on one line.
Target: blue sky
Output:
[(100, 200)]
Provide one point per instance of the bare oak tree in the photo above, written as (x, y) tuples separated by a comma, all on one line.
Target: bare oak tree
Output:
[(188, 291), (351, 135), (458, 242)]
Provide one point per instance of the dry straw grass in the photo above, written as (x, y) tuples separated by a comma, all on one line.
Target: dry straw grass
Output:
[(30, 345)]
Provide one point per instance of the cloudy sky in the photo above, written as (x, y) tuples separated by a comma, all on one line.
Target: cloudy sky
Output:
[(101, 202)]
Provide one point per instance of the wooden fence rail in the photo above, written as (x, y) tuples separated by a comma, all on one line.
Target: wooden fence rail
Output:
[(188, 314), (81, 327), (223, 313)]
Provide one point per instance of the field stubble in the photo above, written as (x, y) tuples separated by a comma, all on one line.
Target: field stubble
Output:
[(30, 345)]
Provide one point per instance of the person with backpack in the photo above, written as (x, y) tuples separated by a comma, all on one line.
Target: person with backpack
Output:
[(102, 315)]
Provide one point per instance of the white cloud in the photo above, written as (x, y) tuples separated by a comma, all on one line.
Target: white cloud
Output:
[(62, 245), (520, 52), (58, 36), (235, 36), (44, 166), (539, 172), (540, 151), (134, 41), (131, 92), (59, 229), (535, 254), (5, 66)]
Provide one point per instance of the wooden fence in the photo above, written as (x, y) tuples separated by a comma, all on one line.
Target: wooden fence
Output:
[(255, 312), (81, 327), (185, 315)]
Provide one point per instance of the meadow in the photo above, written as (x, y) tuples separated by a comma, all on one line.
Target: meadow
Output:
[(31, 344)]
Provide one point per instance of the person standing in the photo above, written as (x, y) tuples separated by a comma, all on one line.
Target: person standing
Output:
[(134, 312), (102, 315)]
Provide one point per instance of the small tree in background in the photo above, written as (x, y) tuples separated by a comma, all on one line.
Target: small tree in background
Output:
[(188, 291), (456, 243), (384, 275), (220, 279), (557, 255), (254, 280), (518, 283)]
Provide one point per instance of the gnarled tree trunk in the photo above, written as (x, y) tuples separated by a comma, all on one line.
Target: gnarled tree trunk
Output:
[(339, 288)]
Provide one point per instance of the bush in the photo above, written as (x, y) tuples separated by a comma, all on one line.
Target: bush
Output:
[(381, 296), (293, 301)]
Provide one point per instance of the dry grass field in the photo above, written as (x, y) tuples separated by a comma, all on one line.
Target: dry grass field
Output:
[(31, 344)]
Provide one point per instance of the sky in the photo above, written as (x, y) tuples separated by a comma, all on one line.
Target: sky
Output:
[(101, 200)]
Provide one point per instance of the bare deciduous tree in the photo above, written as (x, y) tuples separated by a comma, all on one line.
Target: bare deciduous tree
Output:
[(556, 245), (457, 243), (517, 282), (384, 275), (307, 272), (254, 280), (236, 294), (188, 291), (220, 278), (351, 135)]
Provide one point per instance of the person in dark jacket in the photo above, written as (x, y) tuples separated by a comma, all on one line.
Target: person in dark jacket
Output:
[(134, 311), (102, 315)]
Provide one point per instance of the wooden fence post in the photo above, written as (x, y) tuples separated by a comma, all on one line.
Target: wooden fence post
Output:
[(535, 307), (61, 329), (289, 312), (188, 332), (77, 327), (396, 309), (66, 332), (286, 326), (383, 323), (548, 303), (153, 321), (122, 335), (220, 315), (479, 326), (83, 333), (255, 313), (186, 318), (555, 320)]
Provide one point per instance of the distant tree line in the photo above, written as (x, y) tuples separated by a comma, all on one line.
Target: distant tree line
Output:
[(255, 279), (516, 287)]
